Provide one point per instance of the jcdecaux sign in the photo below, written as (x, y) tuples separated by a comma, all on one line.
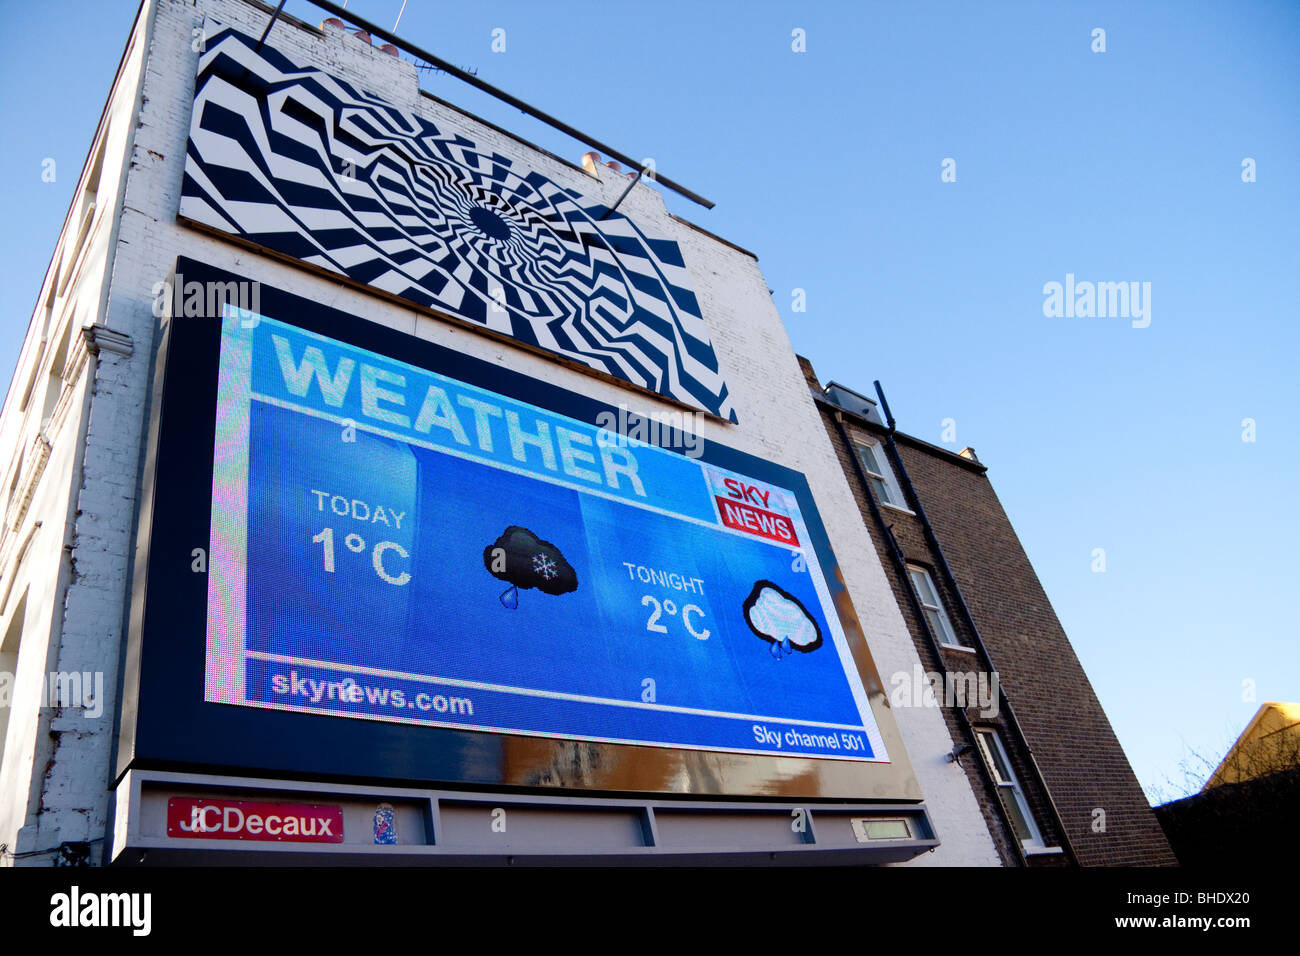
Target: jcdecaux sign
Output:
[(220, 819)]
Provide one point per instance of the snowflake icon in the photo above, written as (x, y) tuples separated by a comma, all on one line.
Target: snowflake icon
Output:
[(544, 566), (525, 561)]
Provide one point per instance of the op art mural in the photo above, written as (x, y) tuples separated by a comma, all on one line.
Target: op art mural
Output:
[(302, 163)]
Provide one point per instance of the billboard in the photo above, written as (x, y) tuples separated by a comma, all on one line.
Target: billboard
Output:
[(393, 544), (363, 555), (291, 158)]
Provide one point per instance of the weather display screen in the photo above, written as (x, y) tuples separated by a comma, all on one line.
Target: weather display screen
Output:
[(391, 544)]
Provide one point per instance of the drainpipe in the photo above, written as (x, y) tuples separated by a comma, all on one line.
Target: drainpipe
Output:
[(915, 501), (900, 565)]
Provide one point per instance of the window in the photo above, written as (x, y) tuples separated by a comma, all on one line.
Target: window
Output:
[(876, 465), (9, 662), (935, 615), (1021, 819), (55, 383)]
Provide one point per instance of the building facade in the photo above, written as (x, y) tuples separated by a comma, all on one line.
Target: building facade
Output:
[(320, 363), (1053, 783)]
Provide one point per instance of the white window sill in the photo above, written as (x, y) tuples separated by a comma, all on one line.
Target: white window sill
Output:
[(906, 511), (1042, 850), (958, 647)]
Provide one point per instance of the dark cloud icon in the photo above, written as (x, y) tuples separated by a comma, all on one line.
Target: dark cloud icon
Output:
[(776, 615), (526, 561)]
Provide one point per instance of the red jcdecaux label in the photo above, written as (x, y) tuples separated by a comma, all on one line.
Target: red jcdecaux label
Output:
[(765, 524), (216, 819)]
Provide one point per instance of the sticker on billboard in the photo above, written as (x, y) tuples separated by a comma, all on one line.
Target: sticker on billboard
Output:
[(393, 544), (385, 825)]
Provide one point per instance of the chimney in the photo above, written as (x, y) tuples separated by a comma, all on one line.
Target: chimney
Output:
[(852, 401)]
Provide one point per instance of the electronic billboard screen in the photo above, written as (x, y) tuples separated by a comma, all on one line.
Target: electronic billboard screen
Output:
[(393, 544), (364, 555)]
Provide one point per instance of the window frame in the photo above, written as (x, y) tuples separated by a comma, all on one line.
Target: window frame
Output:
[(948, 638), (885, 476), (982, 737)]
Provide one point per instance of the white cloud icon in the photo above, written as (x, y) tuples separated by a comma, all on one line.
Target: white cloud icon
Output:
[(777, 616)]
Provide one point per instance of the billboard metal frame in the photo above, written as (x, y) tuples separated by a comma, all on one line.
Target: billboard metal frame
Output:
[(456, 829), (165, 723)]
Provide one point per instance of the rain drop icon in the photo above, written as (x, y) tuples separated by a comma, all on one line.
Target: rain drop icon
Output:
[(780, 647), (510, 597)]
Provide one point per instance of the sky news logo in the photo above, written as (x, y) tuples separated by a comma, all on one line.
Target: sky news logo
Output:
[(67, 689), (746, 507)]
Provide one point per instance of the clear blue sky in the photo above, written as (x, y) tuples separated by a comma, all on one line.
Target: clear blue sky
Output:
[(1115, 166)]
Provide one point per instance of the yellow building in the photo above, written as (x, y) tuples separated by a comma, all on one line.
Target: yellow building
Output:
[(1270, 743)]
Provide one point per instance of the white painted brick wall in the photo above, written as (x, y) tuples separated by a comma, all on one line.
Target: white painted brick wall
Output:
[(778, 420)]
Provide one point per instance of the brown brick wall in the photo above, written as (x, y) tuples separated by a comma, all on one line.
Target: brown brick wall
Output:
[(1077, 751), (984, 794), (1075, 747)]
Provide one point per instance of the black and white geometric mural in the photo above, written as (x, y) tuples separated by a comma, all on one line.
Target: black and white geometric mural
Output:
[(302, 163)]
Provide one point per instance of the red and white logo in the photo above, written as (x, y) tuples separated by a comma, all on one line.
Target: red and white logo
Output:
[(749, 507), (217, 819)]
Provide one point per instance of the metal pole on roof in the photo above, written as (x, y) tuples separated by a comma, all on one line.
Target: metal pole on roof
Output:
[(610, 211), (505, 97), (275, 16)]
